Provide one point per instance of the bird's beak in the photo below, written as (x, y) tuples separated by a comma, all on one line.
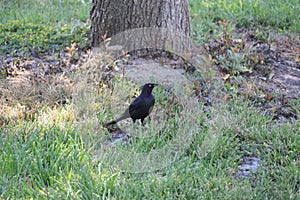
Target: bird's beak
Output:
[(154, 85)]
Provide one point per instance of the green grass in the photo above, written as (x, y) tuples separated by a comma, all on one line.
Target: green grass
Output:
[(276, 15), (53, 161), (50, 155), (279, 14), (43, 25), (18, 37), (44, 11)]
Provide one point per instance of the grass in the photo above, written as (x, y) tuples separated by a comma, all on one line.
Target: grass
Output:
[(46, 12), (54, 162), (281, 15), (34, 25), (57, 152)]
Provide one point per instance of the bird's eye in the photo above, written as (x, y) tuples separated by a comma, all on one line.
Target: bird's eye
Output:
[(150, 85)]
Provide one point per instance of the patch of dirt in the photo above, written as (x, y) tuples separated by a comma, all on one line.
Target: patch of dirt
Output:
[(248, 167), (280, 79), (274, 64), (274, 80), (281, 59)]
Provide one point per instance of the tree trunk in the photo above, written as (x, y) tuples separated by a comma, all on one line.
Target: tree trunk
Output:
[(110, 17)]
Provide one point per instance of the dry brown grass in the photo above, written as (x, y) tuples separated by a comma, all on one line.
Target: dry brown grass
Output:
[(25, 92), (23, 95)]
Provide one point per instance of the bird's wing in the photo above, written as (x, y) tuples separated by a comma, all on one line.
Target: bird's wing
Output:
[(151, 108), (136, 103), (128, 112)]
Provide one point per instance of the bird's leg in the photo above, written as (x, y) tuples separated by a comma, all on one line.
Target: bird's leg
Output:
[(142, 121)]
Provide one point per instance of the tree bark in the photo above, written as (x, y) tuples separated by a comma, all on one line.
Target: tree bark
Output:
[(110, 17)]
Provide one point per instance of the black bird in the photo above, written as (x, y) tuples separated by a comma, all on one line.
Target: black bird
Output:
[(141, 107)]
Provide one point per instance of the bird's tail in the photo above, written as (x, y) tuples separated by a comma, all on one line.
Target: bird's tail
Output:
[(111, 123), (125, 115)]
